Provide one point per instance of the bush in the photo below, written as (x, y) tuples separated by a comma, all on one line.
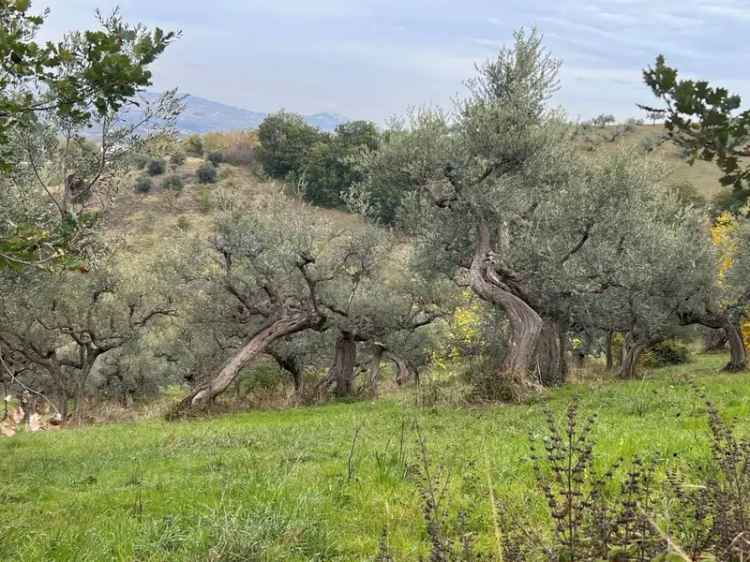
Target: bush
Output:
[(285, 140), (173, 182), (206, 173), (216, 157), (241, 153), (143, 185), (177, 158), (139, 161), (663, 354), (194, 146), (156, 167)]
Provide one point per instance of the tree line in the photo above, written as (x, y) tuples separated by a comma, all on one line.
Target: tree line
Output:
[(491, 199)]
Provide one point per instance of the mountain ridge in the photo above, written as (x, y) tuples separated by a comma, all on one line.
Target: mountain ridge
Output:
[(202, 115)]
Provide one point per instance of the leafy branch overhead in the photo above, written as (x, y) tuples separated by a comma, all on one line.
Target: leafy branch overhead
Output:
[(705, 120)]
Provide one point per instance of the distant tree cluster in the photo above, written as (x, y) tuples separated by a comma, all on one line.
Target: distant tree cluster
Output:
[(322, 164)]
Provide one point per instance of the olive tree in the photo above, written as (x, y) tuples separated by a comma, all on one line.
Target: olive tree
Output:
[(58, 325), (500, 197), (274, 260), (378, 301)]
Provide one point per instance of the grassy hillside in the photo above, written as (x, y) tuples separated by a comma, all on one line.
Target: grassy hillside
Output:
[(702, 176), (141, 221), (296, 485)]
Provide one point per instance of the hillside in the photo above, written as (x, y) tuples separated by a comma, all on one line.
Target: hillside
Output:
[(306, 484), (702, 176)]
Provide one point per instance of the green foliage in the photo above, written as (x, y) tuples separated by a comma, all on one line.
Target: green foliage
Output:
[(663, 354), (331, 168), (57, 89), (285, 142), (216, 157), (88, 75), (156, 167), (140, 161), (143, 184), (177, 158), (194, 146), (206, 173), (173, 182), (703, 120)]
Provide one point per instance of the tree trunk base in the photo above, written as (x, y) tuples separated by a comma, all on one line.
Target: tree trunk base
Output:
[(734, 368)]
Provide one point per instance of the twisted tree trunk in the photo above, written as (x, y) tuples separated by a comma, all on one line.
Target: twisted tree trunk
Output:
[(404, 371), (723, 321), (525, 322), (737, 351), (293, 364), (714, 340), (632, 348), (280, 327)]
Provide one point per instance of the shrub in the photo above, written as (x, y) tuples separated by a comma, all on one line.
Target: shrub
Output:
[(204, 200), (177, 158), (206, 173), (241, 153), (156, 167), (648, 144), (143, 185), (668, 352), (173, 182), (183, 224), (285, 140), (194, 146), (139, 161), (216, 157)]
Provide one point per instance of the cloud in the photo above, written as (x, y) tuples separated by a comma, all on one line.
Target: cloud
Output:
[(374, 58)]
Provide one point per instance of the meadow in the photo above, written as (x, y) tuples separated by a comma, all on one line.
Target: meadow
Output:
[(322, 483)]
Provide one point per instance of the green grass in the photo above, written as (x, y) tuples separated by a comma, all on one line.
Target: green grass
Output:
[(277, 485)]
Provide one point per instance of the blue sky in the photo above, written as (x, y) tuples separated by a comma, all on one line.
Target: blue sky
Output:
[(372, 59)]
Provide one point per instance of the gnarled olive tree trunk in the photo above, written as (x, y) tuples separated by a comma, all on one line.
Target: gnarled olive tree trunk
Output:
[(737, 351), (723, 321), (550, 364), (293, 364), (632, 347), (279, 327), (342, 371), (525, 323), (404, 371), (714, 340)]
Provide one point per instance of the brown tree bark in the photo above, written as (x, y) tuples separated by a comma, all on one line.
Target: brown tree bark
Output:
[(631, 352), (294, 365), (714, 340), (374, 370), (342, 371), (609, 352), (404, 371), (722, 320), (737, 351), (525, 322), (258, 343), (549, 356)]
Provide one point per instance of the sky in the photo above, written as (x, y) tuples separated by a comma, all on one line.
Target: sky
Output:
[(374, 59)]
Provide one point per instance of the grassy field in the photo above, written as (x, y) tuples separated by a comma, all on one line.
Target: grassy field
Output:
[(289, 485)]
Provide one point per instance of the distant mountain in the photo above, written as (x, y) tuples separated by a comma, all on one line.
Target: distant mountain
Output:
[(204, 116)]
